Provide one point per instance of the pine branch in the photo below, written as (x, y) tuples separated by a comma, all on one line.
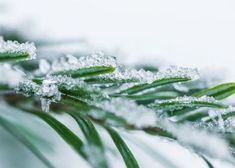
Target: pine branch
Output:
[(96, 89)]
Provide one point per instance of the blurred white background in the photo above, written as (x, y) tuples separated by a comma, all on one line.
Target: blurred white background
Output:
[(186, 33)]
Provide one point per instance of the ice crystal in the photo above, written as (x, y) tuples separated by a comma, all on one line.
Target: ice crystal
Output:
[(15, 47), (48, 91), (27, 87), (10, 76), (137, 115), (73, 63)]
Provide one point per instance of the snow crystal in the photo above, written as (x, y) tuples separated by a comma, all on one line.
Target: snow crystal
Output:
[(73, 63), (137, 115), (15, 47), (144, 76), (10, 76), (49, 89)]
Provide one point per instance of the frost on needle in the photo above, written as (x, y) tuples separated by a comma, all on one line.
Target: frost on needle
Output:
[(84, 66), (143, 76), (14, 51)]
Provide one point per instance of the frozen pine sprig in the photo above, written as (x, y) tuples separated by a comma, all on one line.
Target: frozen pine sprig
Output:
[(27, 87), (180, 72), (48, 89), (52, 87), (136, 81), (186, 101), (71, 63), (220, 119), (215, 113), (137, 115), (129, 75), (14, 51), (111, 98), (143, 76), (77, 87)]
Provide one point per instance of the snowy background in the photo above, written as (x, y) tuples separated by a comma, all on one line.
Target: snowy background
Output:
[(184, 32), (188, 33)]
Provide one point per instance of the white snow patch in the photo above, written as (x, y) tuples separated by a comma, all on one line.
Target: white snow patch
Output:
[(137, 115), (10, 76), (91, 151), (202, 140)]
